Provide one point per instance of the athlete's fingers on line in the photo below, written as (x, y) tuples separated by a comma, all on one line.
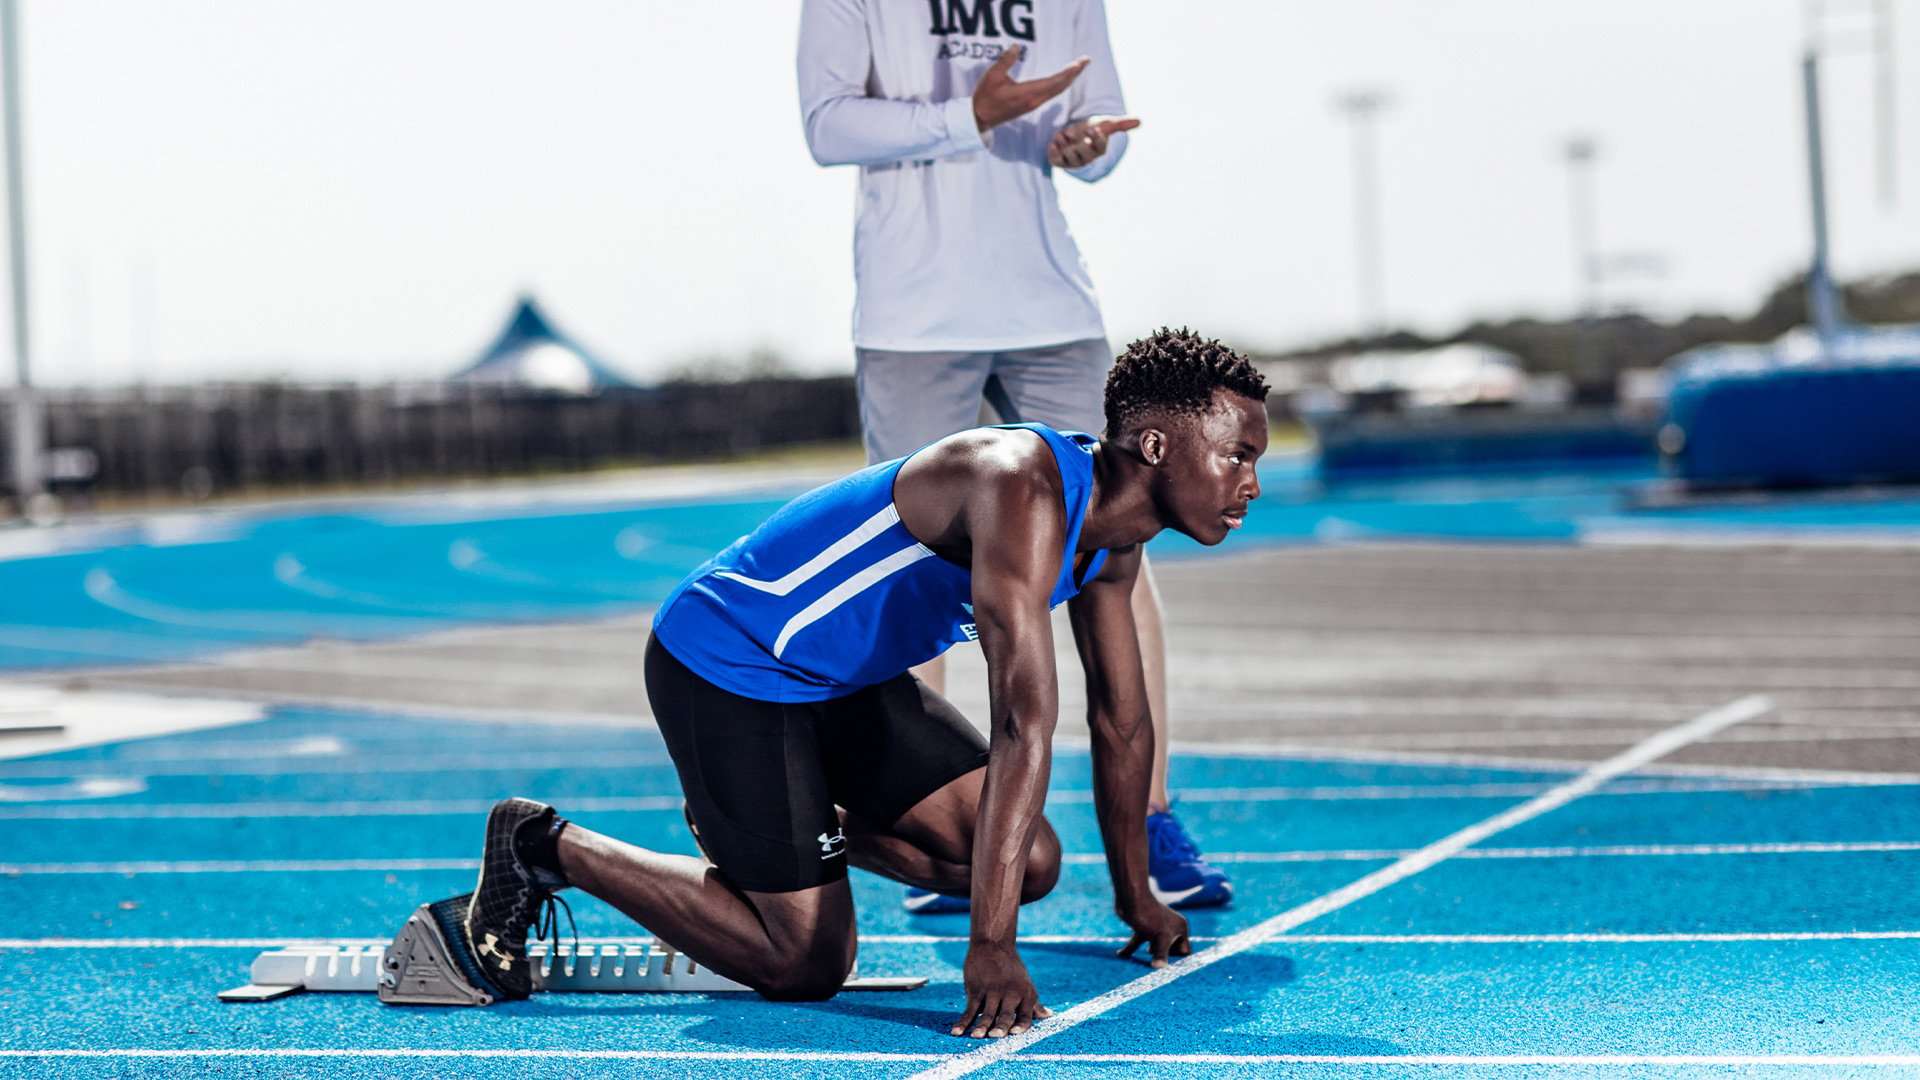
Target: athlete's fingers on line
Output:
[(1183, 946), (1138, 939), (988, 1011), (1004, 1020), (973, 1009)]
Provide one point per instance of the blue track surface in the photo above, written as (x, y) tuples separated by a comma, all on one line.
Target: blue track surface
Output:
[(239, 581), (233, 839), (1661, 926)]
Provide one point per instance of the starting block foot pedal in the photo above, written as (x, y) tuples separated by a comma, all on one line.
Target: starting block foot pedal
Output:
[(429, 962)]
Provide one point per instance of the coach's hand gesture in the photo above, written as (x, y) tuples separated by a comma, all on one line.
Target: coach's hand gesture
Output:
[(997, 98), (1001, 999), (1161, 929), (1080, 142)]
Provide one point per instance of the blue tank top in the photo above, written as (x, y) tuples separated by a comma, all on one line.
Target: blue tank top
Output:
[(833, 594)]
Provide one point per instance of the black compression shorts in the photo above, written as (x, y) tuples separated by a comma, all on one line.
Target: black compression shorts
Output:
[(762, 778)]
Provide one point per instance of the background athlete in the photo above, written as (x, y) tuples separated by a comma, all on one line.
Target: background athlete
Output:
[(778, 674)]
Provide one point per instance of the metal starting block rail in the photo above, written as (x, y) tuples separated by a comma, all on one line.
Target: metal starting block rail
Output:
[(424, 966)]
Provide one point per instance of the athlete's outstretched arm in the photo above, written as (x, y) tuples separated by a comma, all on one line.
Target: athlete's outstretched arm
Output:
[(1017, 525), (1118, 714)]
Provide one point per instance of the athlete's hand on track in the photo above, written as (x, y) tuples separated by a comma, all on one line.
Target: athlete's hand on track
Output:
[(1001, 999), (1082, 141), (997, 98), (1161, 929)]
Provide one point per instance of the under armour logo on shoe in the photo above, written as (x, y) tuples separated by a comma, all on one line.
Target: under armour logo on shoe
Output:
[(491, 947), (827, 842)]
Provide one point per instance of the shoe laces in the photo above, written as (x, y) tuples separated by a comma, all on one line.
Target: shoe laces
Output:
[(546, 922), (1171, 842)]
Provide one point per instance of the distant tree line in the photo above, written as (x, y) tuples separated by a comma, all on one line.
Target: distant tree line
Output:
[(1593, 351), (235, 438)]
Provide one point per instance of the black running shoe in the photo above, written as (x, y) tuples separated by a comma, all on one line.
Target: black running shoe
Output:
[(509, 898)]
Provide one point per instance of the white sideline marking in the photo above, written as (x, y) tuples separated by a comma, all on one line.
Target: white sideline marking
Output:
[(416, 808), (651, 803), (1806, 847), (1049, 939), (1890, 1060), (1658, 746), (1377, 756), (328, 866)]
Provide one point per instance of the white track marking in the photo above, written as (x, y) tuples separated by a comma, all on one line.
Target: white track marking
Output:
[(1373, 756), (331, 866), (371, 809), (1408, 1060), (652, 803), (1617, 736), (1658, 746), (1050, 939)]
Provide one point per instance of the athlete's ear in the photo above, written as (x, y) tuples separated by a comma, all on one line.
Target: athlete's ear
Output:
[(1153, 446)]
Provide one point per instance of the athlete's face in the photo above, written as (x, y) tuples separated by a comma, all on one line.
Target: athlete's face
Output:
[(1208, 475)]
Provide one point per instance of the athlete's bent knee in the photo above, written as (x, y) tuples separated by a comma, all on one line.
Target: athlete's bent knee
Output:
[(804, 984), (1043, 864)]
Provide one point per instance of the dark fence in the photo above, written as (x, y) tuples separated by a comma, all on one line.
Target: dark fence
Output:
[(226, 438)]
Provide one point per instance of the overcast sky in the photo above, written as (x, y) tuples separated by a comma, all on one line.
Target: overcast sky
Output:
[(357, 189)]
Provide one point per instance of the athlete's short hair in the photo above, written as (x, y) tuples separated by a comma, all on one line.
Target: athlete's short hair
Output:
[(1176, 372)]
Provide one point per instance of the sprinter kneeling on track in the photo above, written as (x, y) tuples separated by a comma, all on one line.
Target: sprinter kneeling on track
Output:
[(778, 673)]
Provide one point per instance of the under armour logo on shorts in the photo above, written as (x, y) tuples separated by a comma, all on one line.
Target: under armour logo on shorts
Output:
[(827, 842)]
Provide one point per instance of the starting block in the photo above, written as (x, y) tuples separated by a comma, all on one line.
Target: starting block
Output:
[(426, 965)]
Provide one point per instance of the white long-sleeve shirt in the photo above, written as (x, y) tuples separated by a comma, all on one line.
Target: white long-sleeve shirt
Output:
[(959, 243)]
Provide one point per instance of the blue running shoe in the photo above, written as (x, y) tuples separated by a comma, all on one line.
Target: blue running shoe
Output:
[(924, 902), (1181, 877)]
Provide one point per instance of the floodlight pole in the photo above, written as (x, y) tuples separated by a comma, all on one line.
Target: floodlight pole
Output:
[(1582, 204), (27, 440), (1888, 141), (1360, 108), (1823, 301)]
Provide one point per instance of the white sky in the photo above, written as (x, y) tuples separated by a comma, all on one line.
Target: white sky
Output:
[(357, 189)]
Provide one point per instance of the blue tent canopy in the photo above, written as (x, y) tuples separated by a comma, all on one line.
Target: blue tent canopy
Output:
[(530, 353)]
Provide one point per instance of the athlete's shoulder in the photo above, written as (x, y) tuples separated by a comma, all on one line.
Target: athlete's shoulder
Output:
[(1003, 460)]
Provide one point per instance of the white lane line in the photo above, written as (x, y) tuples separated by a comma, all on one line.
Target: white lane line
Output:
[(1410, 1060), (510, 761), (240, 866), (650, 803), (1044, 939), (328, 866), (1658, 746), (371, 809), (1593, 851), (1425, 1060), (430, 1052), (1555, 738), (1286, 751), (1492, 790)]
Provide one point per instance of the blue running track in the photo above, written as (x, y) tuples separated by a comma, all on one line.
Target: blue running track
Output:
[(1662, 926), (1675, 926)]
